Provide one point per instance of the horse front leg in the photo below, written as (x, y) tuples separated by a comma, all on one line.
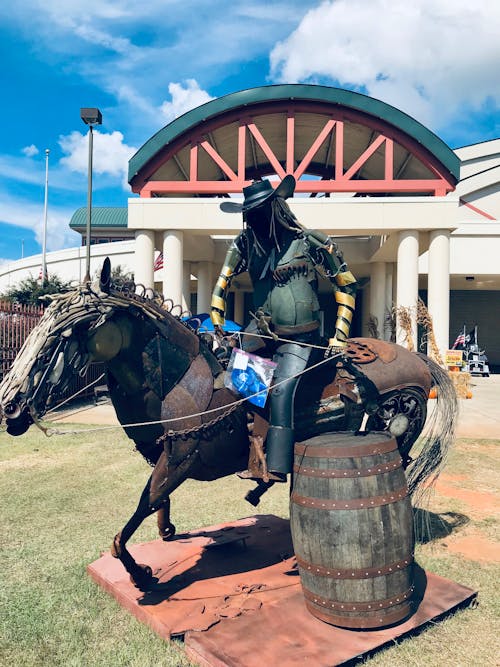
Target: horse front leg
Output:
[(141, 575)]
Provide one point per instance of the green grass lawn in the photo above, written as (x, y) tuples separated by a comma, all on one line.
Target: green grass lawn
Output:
[(63, 498)]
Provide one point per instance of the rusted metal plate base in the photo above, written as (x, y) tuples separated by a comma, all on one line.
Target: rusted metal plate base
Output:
[(232, 592)]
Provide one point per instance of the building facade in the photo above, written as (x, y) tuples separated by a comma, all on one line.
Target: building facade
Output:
[(413, 217)]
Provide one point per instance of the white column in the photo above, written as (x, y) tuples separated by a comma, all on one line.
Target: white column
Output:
[(438, 296), (377, 295), (205, 287), (389, 297), (365, 310), (407, 280), (144, 258), (173, 265), (186, 286), (239, 306)]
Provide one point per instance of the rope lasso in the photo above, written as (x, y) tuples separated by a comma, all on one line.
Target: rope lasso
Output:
[(50, 431), (240, 334), (66, 400)]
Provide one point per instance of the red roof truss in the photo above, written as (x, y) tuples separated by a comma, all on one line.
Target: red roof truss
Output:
[(333, 174)]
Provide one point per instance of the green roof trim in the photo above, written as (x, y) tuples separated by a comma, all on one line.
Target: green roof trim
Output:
[(102, 216), (338, 96)]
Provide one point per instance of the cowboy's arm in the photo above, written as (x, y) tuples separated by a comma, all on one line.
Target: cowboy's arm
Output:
[(332, 265), (233, 265)]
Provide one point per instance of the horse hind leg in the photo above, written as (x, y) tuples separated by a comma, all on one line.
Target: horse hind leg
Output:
[(166, 528), (141, 575)]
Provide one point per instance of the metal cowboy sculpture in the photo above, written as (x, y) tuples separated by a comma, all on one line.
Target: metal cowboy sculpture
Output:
[(166, 385), (283, 261)]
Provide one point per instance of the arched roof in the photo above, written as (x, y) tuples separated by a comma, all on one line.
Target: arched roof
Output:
[(351, 142)]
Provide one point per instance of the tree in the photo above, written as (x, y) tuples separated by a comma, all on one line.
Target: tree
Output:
[(29, 290), (118, 274)]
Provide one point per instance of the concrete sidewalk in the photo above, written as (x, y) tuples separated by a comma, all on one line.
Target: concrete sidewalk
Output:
[(479, 416)]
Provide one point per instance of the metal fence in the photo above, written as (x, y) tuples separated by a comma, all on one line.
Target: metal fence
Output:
[(16, 322)]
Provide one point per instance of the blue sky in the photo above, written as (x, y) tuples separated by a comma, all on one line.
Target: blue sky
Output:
[(145, 64)]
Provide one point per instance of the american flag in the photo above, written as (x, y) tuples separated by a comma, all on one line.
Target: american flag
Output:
[(460, 341), (158, 264)]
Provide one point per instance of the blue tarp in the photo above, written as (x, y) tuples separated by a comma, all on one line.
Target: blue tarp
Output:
[(204, 323)]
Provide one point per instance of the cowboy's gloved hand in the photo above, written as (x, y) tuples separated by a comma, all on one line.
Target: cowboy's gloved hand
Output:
[(264, 322), (335, 345), (219, 332)]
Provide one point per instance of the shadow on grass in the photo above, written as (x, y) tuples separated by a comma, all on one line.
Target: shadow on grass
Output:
[(431, 526)]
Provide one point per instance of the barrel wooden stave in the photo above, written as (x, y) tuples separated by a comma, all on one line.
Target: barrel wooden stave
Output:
[(344, 541)]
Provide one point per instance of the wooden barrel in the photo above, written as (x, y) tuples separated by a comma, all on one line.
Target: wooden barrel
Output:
[(352, 529)]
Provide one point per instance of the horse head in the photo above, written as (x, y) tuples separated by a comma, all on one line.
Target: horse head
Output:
[(74, 330), (95, 322)]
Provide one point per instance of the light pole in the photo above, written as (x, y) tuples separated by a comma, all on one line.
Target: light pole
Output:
[(90, 117), (44, 242)]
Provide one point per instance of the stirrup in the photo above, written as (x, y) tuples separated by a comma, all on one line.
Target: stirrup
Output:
[(271, 476)]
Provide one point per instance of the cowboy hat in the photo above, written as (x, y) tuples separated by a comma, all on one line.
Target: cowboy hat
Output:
[(258, 193)]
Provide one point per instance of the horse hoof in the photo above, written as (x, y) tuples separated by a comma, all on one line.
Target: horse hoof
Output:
[(168, 532), (143, 578)]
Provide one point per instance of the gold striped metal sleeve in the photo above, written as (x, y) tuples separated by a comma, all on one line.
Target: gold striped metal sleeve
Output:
[(343, 326), (219, 303), (345, 278), (218, 291), (346, 299), (226, 271), (217, 318), (222, 282), (345, 313)]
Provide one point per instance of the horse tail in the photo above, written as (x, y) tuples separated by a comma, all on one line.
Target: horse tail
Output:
[(438, 435)]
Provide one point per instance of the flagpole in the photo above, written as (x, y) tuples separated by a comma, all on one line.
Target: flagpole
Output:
[(45, 208)]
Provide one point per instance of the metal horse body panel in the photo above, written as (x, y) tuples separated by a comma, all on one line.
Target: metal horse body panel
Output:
[(165, 385)]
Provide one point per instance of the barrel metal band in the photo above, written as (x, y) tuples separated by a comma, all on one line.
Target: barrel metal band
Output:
[(339, 473), (353, 504), (375, 605), (360, 622), (346, 452), (360, 573)]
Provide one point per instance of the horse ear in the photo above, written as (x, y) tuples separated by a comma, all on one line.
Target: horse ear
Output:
[(105, 277)]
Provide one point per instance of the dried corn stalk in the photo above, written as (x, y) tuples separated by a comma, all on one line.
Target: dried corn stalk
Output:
[(403, 316), (424, 318), (372, 325), (390, 324)]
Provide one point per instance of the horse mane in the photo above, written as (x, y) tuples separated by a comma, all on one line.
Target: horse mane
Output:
[(119, 295), (148, 298)]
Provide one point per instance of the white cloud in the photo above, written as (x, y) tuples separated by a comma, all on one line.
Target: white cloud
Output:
[(115, 47), (184, 98), (30, 151), (110, 154), (427, 57), (23, 170), (18, 211)]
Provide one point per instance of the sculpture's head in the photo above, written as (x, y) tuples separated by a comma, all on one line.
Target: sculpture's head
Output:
[(263, 206), (258, 197)]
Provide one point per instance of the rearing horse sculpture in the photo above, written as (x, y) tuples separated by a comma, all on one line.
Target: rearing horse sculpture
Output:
[(167, 388)]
